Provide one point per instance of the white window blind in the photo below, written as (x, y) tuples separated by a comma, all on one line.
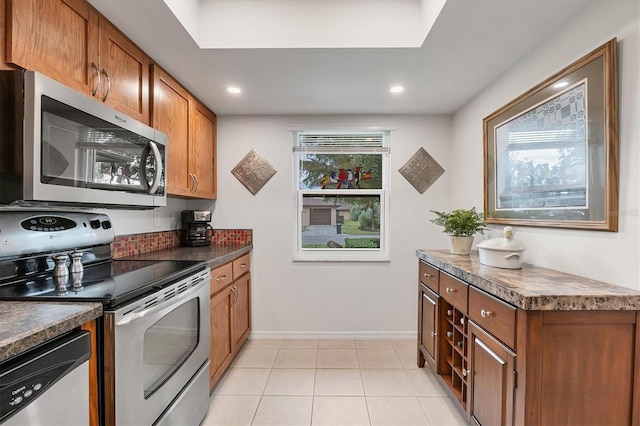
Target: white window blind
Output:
[(324, 141)]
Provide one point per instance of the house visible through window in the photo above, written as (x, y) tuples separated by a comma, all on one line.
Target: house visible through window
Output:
[(341, 185)]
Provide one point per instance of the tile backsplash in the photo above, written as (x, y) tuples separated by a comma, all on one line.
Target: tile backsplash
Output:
[(130, 245)]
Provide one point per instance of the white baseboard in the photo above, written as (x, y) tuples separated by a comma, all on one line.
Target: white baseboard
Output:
[(392, 335)]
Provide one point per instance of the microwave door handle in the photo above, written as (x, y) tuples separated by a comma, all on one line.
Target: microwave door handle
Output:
[(158, 160)]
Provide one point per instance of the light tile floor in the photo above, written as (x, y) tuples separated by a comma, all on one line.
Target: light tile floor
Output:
[(330, 382)]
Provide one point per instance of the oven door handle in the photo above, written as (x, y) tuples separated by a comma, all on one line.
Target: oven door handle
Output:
[(160, 306)]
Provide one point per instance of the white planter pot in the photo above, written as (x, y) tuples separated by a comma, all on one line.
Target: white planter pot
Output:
[(460, 245)]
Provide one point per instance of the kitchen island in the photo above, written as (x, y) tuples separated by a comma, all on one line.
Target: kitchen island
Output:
[(529, 346)]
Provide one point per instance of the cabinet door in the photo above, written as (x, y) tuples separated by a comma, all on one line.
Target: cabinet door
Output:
[(427, 324), (241, 312), (58, 38), (170, 114), (221, 334), (124, 73), (203, 150), (491, 370), (3, 34)]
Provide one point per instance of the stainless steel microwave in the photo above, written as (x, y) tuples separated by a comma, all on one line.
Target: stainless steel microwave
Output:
[(61, 147)]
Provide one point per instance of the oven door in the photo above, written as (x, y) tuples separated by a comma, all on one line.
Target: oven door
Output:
[(153, 348)]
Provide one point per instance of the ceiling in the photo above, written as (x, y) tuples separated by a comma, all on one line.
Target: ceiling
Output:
[(471, 43)]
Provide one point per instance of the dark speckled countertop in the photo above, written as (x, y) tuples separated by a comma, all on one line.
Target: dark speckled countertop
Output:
[(25, 325), (534, 288), (213, 255)]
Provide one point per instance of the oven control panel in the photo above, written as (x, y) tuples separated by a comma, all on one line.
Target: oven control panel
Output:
[(48, 223), (24, 232)]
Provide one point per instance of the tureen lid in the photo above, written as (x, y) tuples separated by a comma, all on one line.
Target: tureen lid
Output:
[(506, 243)]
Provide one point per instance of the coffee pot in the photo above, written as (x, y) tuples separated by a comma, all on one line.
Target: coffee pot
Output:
[(196, 230)]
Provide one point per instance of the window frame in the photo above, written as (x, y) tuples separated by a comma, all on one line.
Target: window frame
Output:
[(341, 254)]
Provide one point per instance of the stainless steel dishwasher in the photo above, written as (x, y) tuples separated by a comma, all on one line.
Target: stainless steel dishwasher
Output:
[(47, 385)]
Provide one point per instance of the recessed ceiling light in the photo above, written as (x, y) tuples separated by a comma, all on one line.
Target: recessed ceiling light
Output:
[(233, 89), (560, 84), (396, 89)]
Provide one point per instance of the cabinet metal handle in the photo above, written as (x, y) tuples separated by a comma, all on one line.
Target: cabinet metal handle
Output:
[(485, 314), (221, 278), (434, 334), (106, 95), (243, 265), (234, 290), (428, 275), (450, 290), (97, 86), (466, 372), (195, 176), (193, 182)]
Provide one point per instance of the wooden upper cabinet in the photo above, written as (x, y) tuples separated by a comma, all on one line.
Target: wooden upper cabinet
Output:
[(203, 151), (170, 114), (69, 41), (3, 35), (57, 38), (191, 130), (124, 70)]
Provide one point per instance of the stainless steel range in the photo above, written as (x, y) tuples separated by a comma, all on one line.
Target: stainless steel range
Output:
[(154, 337)]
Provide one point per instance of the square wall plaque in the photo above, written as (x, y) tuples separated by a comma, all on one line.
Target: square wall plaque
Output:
[(421, 170), (253, 171)]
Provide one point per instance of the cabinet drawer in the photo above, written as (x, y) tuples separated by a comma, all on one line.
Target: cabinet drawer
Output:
[(428, 275), (495, 316), (241, 265), (454, 291), (221, 276)]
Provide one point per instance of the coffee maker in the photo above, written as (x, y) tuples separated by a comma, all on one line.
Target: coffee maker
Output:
[(196, 230)]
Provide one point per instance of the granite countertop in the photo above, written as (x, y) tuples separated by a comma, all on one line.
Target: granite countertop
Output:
[(532, 287), (25, 325), (214, 255)]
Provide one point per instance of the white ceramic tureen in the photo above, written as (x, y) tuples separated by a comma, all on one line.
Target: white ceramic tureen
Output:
[(502, 252)]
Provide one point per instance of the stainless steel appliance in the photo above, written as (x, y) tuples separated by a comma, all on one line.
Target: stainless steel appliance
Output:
[(154, 336), (196, 229), (60, 146), (48, 384)]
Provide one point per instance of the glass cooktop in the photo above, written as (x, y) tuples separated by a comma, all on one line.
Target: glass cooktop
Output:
[(111, 283)]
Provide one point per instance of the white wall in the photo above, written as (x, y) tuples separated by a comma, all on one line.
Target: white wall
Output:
[(611, 257), (333, 298)]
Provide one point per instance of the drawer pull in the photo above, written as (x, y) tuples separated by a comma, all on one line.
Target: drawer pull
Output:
[(485, 314), (243, 265), (450, 290), (221, 278), (428, 275)]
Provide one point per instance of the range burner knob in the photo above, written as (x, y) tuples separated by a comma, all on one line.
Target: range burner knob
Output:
[(106, 224), (95, 224)]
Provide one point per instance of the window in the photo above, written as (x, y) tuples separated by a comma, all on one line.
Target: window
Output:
[(341, 186)]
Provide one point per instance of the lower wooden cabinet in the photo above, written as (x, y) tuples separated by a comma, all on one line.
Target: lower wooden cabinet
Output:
[(490, 373), (511, 366), (241, 312), (221, 334), (427, 320), (230, 315)]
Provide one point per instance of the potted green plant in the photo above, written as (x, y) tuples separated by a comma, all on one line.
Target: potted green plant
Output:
[(461, 225)]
